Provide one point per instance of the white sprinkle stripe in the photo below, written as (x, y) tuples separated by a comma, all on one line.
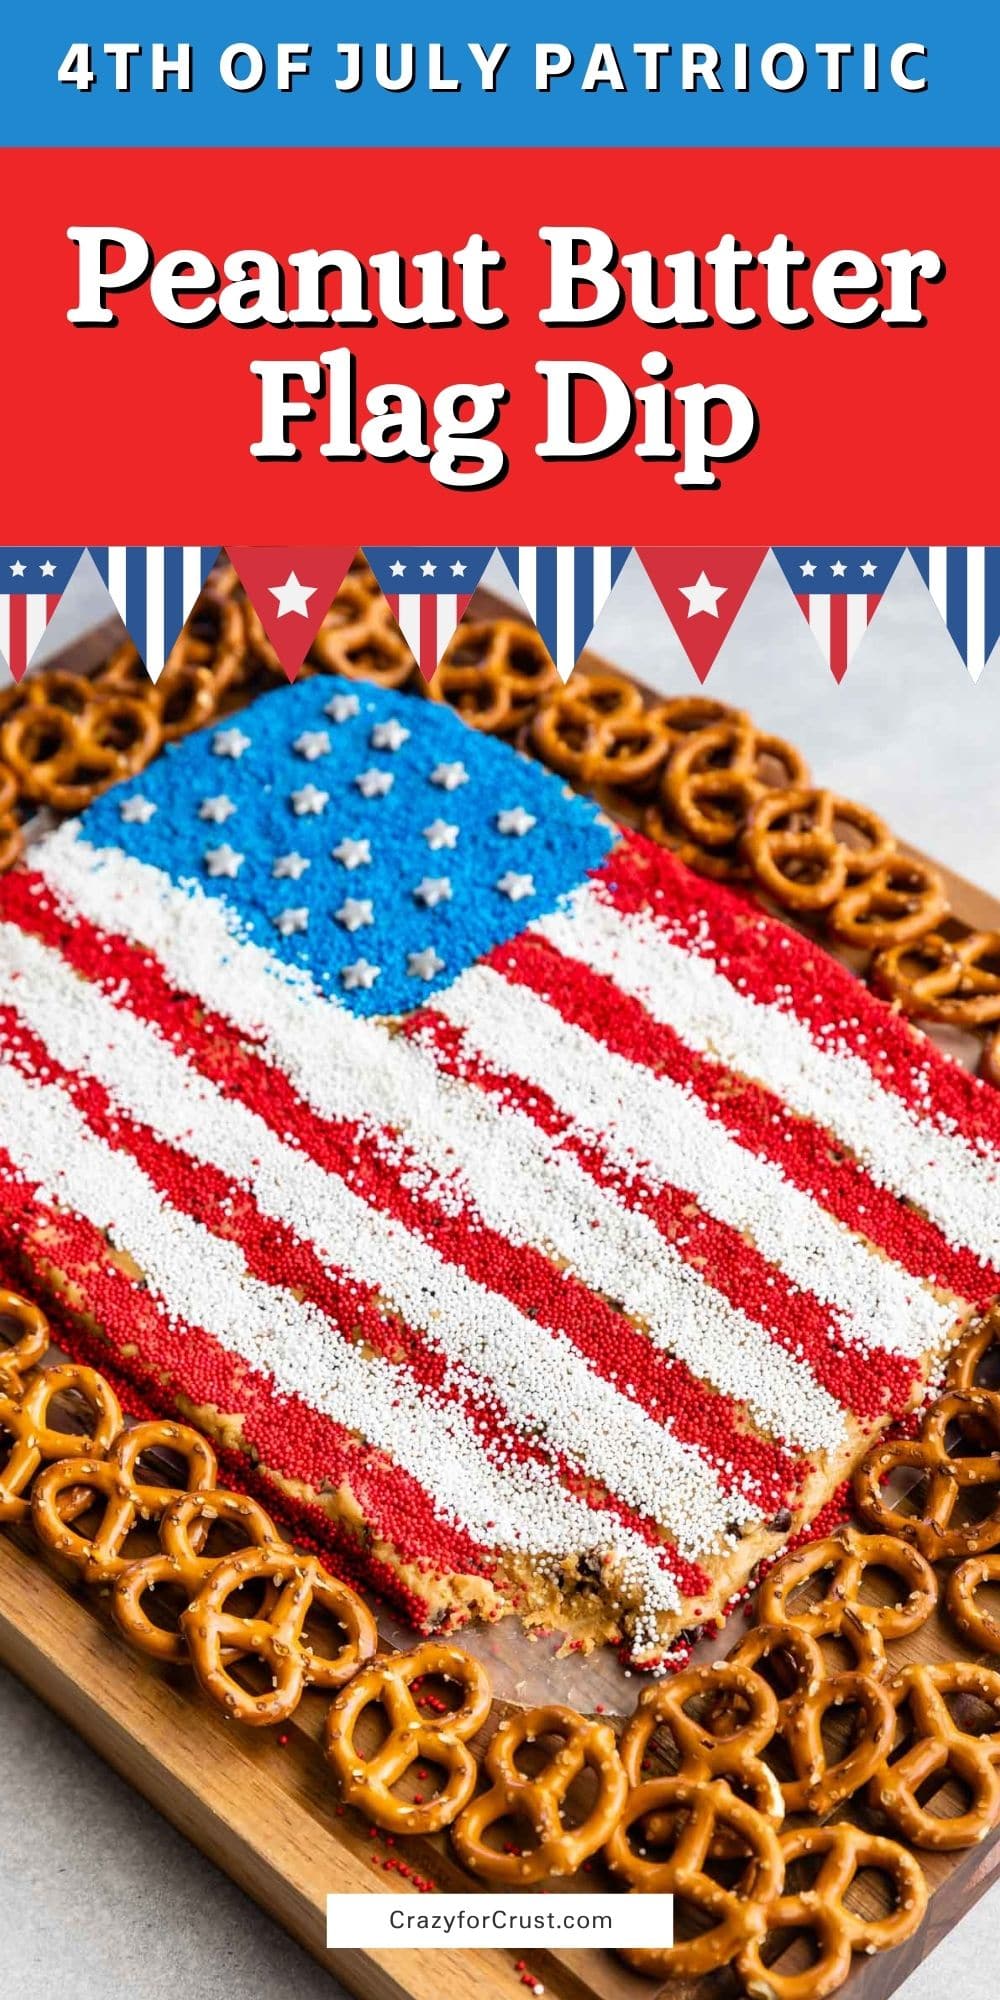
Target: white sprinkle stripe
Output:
[(958, 1187), (666, 1133), (522, 1183), (201, 1278), (540, 1378)]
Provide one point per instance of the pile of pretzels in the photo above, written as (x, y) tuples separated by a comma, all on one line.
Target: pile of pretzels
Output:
[(698, 1796)]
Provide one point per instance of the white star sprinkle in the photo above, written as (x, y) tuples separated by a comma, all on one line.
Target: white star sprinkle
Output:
[(223, 860), (354, 913), (230, 743), (341, 707), (434, 889), (374, 784), (309, 800), (516, 886), (289, 867), (218, 809), (362, 973), (440, 834), (424, 964), (389, 735), (449, 776), (353, 853), (516, 821), (311, 744), (290, 921), (136, 811)]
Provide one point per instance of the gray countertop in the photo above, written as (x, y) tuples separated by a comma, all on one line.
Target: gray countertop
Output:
[(98, 1890)]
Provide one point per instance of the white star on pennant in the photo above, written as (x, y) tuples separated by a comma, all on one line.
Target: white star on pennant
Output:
[(361, 974), (311, 744), (353, 853), (838, 569), (341, 707), (218, 809), (458, 568), (397, 568), (354, 913), (230, 743), (292, 597), (423, 964), (449, 776), (516, 886), (868, 568), (223, 860), (309, 799), (808, 568), (47, 568), (136, 811), (374, 784), (389, 735), (288, 922), (516, 821), (289, 867), (440, 834), (434, 889), (703, 596), (428, 569), (17, 569)]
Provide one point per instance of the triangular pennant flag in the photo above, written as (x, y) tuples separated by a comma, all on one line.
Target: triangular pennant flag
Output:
[(839, 590), (31, 583), (702, 592), (565, 591), (428, 591), (154, 591), (291, 591), (965, 586)]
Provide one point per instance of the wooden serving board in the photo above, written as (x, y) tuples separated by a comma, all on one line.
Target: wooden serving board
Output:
[(263, 1807)]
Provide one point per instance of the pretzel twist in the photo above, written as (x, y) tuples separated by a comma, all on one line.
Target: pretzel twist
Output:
[(977, 1625), (561, 1849), (699, 1817), (796, 844), (685, 715), (11, 840), (968, 1359), (597, 732), (715, 777), (25, 1409), (127, 1499), (731, 1689), (946, 1476), (955, 980), (184, 1530), (720, 864), (30, 1341), (818, 1785), (68, 740), (358, 637), (841, 1613), (939, 1745), (275, 1637), (495, 673), (388, 1683), (898, 902), (823, 1910)]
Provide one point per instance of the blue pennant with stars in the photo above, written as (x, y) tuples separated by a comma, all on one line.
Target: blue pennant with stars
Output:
[(428, 590), (839, 590)]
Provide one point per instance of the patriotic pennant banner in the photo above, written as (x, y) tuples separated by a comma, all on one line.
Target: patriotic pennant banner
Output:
[(839, 590), (428, 592), (702, 592), (291, 591), (31, 583), (965, 586), (154, 592), (565, 591)]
